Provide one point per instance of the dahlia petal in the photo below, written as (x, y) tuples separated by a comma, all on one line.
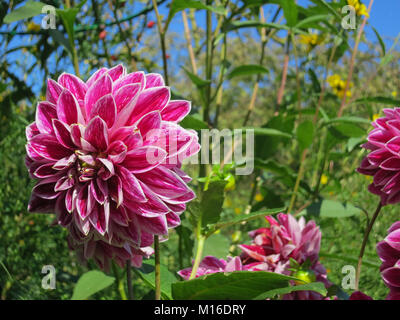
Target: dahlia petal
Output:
[(130, 185), (75, 85), (393, 239), (65, 162), (68, 109), (176, 110), (149, 122), (392, 164), (149, 100), (64, 183), (96, 192), (45, 171), (155, 225), (131, 78), (106, 109), (31, 131), (45, 112), (125, 99), (45, 188), (391, 276), (154, 80), (53, 91), (96, 134), (133, 141), (48, 147), (173, 220), (116, 72), (117, 151), (99, 89), (77, 132), (40, 205), (63, 134), (144, 158), (95, 76), (81, 202)]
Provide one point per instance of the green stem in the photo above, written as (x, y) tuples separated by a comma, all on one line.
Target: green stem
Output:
[(157, 268), (199, 253), (119, 283), (129, 279), (364, 243), (162, 32)]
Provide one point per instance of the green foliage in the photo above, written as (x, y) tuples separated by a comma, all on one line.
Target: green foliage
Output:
[(90, 283)]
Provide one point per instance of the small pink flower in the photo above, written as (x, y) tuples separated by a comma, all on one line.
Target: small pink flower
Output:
[(389, 253), (286, 238), (358, 295), (211, 264), (383, 161), (106, 154)]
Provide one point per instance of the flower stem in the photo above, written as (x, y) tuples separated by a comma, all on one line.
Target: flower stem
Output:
[(129, 279), (157, 268), (199, 254), (353, 60), (364, 243), (161, 32), (119, 283)]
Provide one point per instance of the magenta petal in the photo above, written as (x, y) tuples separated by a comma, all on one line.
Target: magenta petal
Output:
[(75, 85), (173, 220), (149, 100), (63, 134), (45, 112), (150, 121), (117, 151), (45, 171), (391, 276), (81, 202), (48, 147), (130, 185), (131, 78), (144, 158), (106, 109), (96, 134), (393, 239), (155, 225), (125, 99), (53, 91), (68, 109), (154, 80), (45, 188), (95, 76), (175, 110), (100, 88), (116, 72), (40, 205)]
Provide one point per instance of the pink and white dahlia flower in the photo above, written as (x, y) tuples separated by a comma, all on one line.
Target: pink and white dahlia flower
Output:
[(212, 264), (383, 162), (389, 253), (286, 238), (106, 154)]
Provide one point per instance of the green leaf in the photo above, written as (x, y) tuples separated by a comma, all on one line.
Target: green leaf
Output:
[(90, 283), (348, 259), (197, 81), (290, 12), (60, 39), (247, 217), (309, 21), (247, 70), (238, 285), (234, 25), (29, 10), (314, 80), (211, 202), (383, 100), (332, 209), (305, 134), (324, 4), (193, 122), (267, 132), (318, 287), (179, 5), (147, 273), (216, 245), (349, 119), (382, 44)]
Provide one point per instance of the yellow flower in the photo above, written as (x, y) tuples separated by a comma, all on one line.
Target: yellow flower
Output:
[(361, 9), (338, 86), (259, 197), (394, 94), (375, 116), (238, 210), (236, 236), (324, 179), (33, 27), (218, 231), (311, 40)]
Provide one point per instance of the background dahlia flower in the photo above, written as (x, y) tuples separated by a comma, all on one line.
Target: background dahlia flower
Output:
[(389, 252), (211, 264), (106, 154), (383, 162), (286, 238), (271, 250)]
